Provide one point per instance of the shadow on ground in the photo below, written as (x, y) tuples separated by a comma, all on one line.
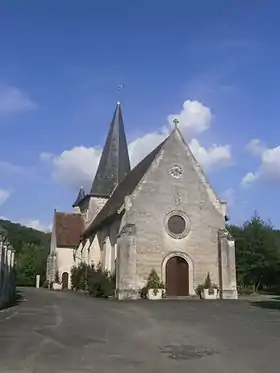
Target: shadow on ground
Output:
[(272, 304), (17, 299)]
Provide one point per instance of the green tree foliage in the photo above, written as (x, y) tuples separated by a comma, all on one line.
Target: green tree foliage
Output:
[(95, 280), (208, 282), (257, 254), (100, 282), (31, 251), (153, 281), (79, 276)]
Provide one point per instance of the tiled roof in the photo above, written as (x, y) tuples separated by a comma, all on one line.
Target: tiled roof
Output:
[(114, 163), (68, 228)]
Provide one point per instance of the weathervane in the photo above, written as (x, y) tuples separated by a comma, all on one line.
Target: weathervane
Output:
[(176, 122), (120, 87)]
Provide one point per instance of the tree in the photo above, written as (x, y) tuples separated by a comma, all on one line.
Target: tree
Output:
[(30, 262), (257, 253), (31, 251)]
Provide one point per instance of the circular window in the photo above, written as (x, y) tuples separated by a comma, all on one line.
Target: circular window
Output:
[(177, 224)]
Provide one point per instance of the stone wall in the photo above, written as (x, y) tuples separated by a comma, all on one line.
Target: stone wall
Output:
[(227, 265), (65, 261), (7, 275)]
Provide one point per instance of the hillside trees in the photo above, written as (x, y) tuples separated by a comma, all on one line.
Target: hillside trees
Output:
[(31, 251)]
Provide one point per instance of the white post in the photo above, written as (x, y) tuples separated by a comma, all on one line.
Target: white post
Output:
[(37, 281)]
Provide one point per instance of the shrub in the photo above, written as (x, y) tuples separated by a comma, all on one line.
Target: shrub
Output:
[(144, 292), (208, 282), (95, 280), (154, 282), (45, 284), (79, 276), (199, 290), (100, 282)]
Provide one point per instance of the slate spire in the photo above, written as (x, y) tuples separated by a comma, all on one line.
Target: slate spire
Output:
[(81, 195), (114, 164)]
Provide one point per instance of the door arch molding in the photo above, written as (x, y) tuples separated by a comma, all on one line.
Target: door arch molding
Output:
[(190, 264)]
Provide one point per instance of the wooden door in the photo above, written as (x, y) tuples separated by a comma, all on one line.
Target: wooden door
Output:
[(182, 277), (177, 277), (65, 278)]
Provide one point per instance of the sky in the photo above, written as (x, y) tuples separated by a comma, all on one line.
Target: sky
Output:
[(212, 64)]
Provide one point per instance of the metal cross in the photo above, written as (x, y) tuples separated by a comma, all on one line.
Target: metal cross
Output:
[(176, 122)]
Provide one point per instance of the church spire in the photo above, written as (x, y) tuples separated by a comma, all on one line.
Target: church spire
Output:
[(81, 195), (114, 164)]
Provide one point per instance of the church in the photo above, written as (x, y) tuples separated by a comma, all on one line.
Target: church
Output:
[(163, 215)]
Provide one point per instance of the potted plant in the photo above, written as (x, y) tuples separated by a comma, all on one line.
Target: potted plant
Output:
[(208, 290), (154, 286), (199, 290)]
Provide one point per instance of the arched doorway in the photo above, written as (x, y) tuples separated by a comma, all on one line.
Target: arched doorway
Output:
[(177, 277), (65, 278)]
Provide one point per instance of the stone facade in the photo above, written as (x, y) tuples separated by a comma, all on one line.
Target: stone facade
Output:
[(163, 209), (158, 194)]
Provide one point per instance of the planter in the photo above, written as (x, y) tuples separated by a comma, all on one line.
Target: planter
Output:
[(152, 296), (57, 286), (205, 294)]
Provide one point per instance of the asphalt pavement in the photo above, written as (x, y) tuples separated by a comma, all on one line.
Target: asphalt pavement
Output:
[(59, 332)]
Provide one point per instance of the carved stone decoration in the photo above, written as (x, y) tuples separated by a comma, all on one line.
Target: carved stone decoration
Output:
[(128, 229), (224, 233), (177, 224), (177, 199), (176, 171)]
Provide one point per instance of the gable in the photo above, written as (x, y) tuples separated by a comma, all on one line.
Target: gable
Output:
[(175, 157)]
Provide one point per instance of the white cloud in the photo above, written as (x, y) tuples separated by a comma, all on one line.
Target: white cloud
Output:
[(194, 118), (4, 195), (248, 178), (142, 146), (36, 224), (216, 155), (74, 167), (269, 168), (255, 147), (14, 100), (77, 166), (31, 223)]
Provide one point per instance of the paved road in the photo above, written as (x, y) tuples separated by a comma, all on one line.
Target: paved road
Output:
[(63, 332)]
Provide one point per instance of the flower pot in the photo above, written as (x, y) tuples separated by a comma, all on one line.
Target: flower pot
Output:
[(155, 294), (57, 286), (213, 294)]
